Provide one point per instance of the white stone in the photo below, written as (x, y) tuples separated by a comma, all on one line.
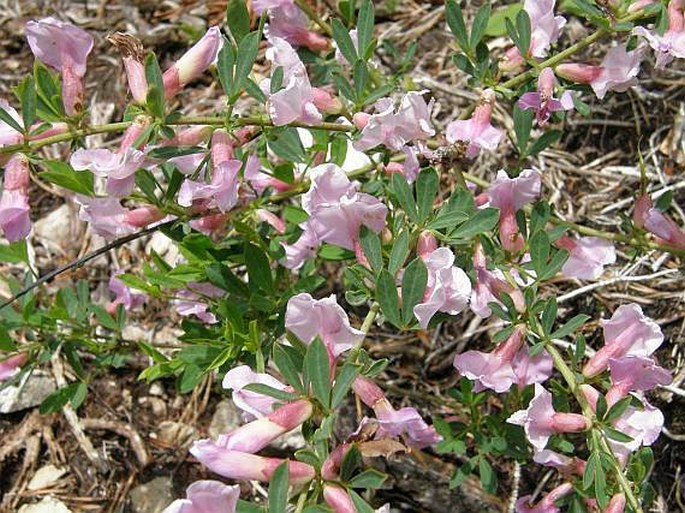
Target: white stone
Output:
[(47, 505), (46, 476)]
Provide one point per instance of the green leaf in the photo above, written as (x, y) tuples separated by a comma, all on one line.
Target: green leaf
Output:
[(7, 118), (455, 21), (549, 315), (262, 389), (155, 91), (555, 264), (496, 25), (461, 474), (571, 326), (524, 30), (258, 268), (14, 253), (361, 78), (75, 393), (247, 53), (480, 24), (190, 378), (488, 478), (7, 343), (238, 19), (404, 195), (287, 144), (278, 489), (344, 41), (539, 251), (481, 222), (386, 295), (62, 174), (343, 381), (617, 409), (545, 140), (413, 287), (365, 23), (427, 185), (371, 244), (316, 367), (226, 66), (221, 276), (147, 183), (399, 253), (614, 434), (27, 97), (370, 478), (523, 124), (286, 363), (352, 460)]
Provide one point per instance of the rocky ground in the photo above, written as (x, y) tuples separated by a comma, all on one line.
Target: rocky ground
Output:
[(138, 434)]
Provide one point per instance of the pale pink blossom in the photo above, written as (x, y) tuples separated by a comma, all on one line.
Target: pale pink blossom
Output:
[(221, 192), (670, 45), (338, 499), (540, 421), (396, 127), (188, 164), (133, 55), (646, 216), (207, 497), (10, 366), (587, 256), (144, 216), (14, 201), (192, 63), (303, 249), (260, 6), (288, 22), (118, 167), (543, 102), (447, 290), (271, 219), (564, 464), (617, 504), (106, 216), (478, 131), (129, 298), (8, 135), (510, 195), (258, 179), (547, 503), (489, 286), (65, 48), (426, 244), (642, 425), (308, 318), (529, 370), (209, 224), (546, 28), (628, 333), (253, 403), (405, 422), (191, 301), (632, 373)]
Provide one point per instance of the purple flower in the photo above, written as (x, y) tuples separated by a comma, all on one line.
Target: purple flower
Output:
[(543, 101), (14, 201), (478, 132), (587, 256), (118, 167), (308, 318), (124, 295), (509, 195), (395, 128), (447, 290), (189, 301), (221, 192), (106, 216), (192, 63), (618, 71), (634, 373), (489, 286), (627, 333), (540, 421), (253, 403), (672, 44), (546, 28), (288, 22), (546, 504), (65, 48), (207, 497)]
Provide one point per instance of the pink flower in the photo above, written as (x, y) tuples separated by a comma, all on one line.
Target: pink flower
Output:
[(207, 497), (634, 373), (118, 167), (8, 135), (221, 192), (189, 301), (271, 219), (308, 318), (395, 128), (258, 179), (540, 421), (564, 464), (546, 28), (338, 499), (244, 466), (543, 101), (260, 6), (253, 403), (617, 504), (587, 256), (14, 201), (303, 249), (656, 222), (106, 216), (531, 369), (672, 44), (288, 22), (509, 195), (65, 48), (10, 366), (144, 216), (124, 295), (478, 132), (546, 504), (406, 422), (296, 101), (489, 286), (192, 63), (627, 333), (447, 290), (642, 425), (132, 54), (619, 71)]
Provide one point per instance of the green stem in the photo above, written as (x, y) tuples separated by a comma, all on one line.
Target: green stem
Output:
[(312, 15)]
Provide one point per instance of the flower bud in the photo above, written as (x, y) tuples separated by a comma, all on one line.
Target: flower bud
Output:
[(193, 63), (222, 147), (190, 136), (272, 219), (426, 244), (639, 5), (338, 499), (133, 132), (569, 423), (326, 102), (144, 216), (617, 504), (133, 56), (14, 202), (361, 119), (642, 206), (511, 61), (368, 392), (546, 83), (10, 366), (579, 73), (55, 129)]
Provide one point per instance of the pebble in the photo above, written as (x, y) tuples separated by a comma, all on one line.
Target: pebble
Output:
[(153, 496)]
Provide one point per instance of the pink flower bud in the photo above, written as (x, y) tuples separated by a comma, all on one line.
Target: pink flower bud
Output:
[(639, 5), (326, 102), (642, 206), (361, 119), (617, 504), (144, 216), (569, 423), (338, 499), (133, 133), (393, 167), (426, 244), (55, 129), (133, 56), (210, 224), (676, 22), (511, 61), (368, 392), (272, 219), (14, 201), (579, 73), (331, 466), (10, 366), (193, 63), (190, 136)]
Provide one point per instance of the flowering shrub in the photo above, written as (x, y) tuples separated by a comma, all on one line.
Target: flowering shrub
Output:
[(346, 165)]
